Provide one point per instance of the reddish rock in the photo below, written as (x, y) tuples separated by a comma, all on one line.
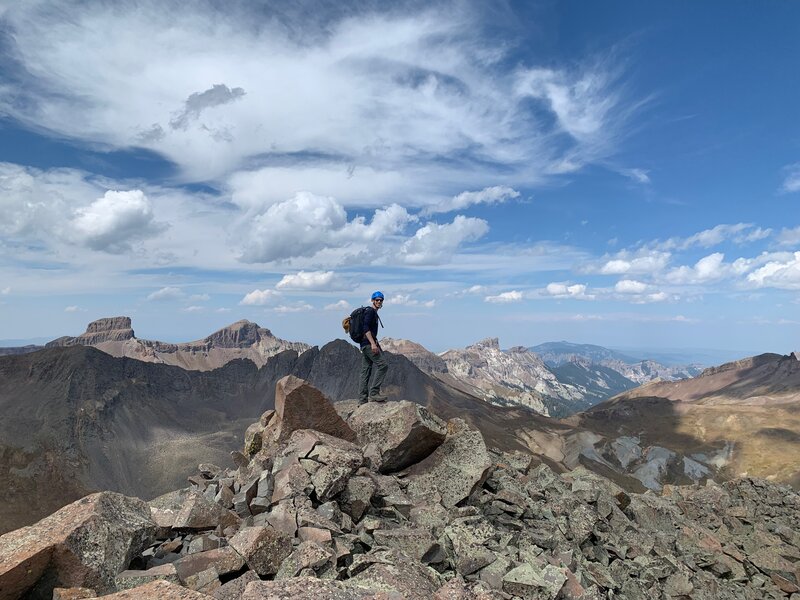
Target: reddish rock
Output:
[(299, 405), (310, 588), (198, 512), (160, 590), (85, 544), (225, 560), (75, 593)]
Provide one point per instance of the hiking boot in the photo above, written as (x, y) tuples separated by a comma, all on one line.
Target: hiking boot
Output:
[(362, 401), (378, 398)]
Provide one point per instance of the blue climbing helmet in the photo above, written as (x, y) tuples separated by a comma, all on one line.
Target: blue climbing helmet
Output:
[(377, 295)]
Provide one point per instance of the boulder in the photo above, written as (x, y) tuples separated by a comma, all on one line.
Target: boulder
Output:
[(163, 590), (403, 433), (198, 512), (263, 548), (225, 560), (308, 588), (75, 593), (131, 579), (299, 405), (84, 544), (234, 589), (454, 470), (394, 571), (355, 498)]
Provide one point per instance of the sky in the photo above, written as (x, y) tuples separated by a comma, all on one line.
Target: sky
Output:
[(620, 173)]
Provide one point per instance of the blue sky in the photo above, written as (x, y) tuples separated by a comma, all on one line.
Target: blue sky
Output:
[(618, 173)]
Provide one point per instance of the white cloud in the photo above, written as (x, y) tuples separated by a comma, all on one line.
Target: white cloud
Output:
[(709, 268), (630, 286), (505, 297), (307, 280), (739, 233), (237, 83), (193, 309), (259, 297), (307, 224), (638, 175), (791, 182), (112, 222), (199, 298), (340, 305), (641, 262), (778, 274), (223, 310), (166, 293), (562, 290), (789, 237), (434, 244), (293, 308), (490, 195), (72, 309), (407, 300)]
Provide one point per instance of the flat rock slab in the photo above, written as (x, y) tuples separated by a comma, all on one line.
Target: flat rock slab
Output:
[(309, 588), (402, 433), (454, 470), (84, 544), (299, 405), (160, 590)]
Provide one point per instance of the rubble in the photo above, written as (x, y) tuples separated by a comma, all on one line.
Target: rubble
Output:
[(310, 514)]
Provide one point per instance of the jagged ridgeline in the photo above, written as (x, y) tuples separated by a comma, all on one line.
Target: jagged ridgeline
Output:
[(382, 501)]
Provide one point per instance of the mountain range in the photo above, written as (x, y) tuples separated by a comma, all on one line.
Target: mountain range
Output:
[(77, 419)]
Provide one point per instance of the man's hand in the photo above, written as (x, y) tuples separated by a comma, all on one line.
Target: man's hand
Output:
[(375, 349)]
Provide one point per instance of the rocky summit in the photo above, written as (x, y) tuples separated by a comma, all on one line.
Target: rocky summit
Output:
[(390, 501)]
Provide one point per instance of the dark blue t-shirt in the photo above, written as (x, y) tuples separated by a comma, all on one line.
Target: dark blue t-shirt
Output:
[(370, 324)]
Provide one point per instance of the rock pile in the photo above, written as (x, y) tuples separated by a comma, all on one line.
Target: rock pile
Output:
[(390, 502)]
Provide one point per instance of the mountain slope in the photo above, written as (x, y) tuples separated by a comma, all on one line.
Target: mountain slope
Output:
[(242, 339), (743, 417), (76, 419)]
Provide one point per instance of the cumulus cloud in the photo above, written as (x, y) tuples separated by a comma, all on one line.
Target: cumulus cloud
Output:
[(340, 305), (293, 308), (166, 293), (407, 300), (306, 224), (781, 274), (307, 280), (259, 297), (641, 262), (112, 222), (709, 268), (490, 195), (563, 290), (630, 286), (791, 182), (434, 243), (505, 297)]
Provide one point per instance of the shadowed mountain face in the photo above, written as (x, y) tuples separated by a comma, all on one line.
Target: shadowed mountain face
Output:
[(742, 417), (76, 419)]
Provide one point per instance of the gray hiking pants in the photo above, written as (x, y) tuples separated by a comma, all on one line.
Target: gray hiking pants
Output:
[(368, 360)]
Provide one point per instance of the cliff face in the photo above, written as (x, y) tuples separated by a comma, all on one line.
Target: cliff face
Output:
[(242, 339)]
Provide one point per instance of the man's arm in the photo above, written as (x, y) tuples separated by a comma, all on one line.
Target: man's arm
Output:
[(373, 344)]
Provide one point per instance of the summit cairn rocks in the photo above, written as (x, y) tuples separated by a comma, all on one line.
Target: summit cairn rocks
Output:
[(320, 516), (400, 433)]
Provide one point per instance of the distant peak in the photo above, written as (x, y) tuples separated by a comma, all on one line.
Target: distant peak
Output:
[(487, 343), (237, 335), (109, 324)]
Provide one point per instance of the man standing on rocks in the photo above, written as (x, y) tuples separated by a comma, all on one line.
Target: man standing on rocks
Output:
[(372, 355)]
